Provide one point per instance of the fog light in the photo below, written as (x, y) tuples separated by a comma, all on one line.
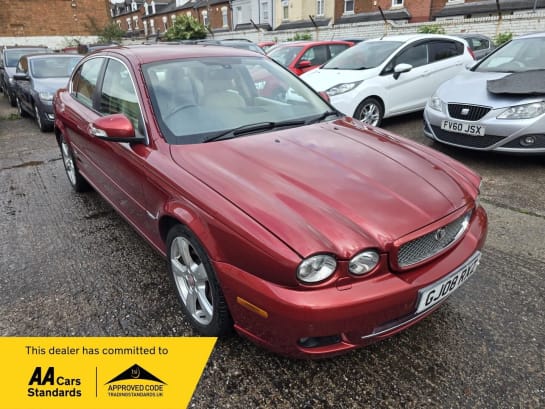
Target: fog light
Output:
[(528, 140), (313, 342)]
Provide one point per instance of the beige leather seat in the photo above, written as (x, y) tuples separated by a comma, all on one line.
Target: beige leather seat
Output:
[(220, 90)]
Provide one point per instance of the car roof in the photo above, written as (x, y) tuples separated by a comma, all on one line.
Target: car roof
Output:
[(29, 48), (311, 42), (143, 54), (49, 55), (405, 38), (533, 35)]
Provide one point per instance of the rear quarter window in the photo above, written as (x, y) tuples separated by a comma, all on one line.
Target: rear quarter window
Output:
[(441, 50)]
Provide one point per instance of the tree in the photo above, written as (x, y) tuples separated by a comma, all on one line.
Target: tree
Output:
[(111, 33), (185, 28)]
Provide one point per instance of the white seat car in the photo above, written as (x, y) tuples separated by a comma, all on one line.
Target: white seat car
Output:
[(390, 76)]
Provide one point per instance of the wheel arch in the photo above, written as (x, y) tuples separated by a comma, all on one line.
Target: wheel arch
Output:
[(375, 96), (176, 213)]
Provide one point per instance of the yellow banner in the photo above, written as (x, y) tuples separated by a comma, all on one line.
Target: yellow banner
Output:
[(101, 373)]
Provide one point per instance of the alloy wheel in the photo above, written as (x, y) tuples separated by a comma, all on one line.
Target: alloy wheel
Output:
[(191, 279)]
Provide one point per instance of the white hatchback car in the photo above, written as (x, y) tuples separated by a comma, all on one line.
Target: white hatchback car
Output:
[(390, 76)]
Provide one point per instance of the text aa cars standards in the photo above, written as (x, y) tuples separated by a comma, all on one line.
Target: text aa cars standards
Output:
[(306, 231)]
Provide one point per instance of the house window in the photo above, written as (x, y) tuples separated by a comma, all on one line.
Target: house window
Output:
[(205, 17), (265, 12), (134, 6), (397, 3), (224, 21), (188, 14), (165, 23), (173, 18), (348, 6), (285, 10), (118, 23), (135, 20), (145, 28), (319, 7), (152, 26), (129, 24)]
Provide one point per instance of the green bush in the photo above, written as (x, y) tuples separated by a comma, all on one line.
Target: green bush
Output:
[(431, 29), (503, 38), (300, 36), (185, 28)]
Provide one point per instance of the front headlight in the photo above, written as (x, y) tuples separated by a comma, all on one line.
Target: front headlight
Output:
[(436, 103), (45, 96), (10, 80), (342, 88), (525, 111), (363, 262), (316, 268)]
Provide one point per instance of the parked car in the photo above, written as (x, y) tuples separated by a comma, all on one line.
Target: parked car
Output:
[(303, 56), (8, 61), (308, 232), (481, 45), (243, 44), (390, 76), (266, 45), (499, 104), (36, 79)]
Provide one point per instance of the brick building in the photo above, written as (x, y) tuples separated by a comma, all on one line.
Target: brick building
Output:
[(41, 18), (151, 18)]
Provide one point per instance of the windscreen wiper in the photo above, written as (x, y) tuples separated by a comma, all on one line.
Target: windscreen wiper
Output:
[(322, 117), (252, 128)]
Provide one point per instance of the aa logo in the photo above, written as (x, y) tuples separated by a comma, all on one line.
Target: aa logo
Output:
[(135, 372)]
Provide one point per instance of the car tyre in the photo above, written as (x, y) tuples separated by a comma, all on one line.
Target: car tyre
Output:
[(12, 99), (78, 182), (40, 120), (20, 111), (370, 111), (195, 282)]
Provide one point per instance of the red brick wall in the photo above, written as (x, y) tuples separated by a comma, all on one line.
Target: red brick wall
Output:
[(52, 17), (420, 10)]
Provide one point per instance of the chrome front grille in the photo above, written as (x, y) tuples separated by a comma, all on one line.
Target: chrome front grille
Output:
[(467, 112), (424, 247)]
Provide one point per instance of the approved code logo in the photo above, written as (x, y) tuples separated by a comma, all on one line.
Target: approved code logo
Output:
[(135, 382)]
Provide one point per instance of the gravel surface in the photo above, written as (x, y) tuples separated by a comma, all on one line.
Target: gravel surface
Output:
[(70, 266)]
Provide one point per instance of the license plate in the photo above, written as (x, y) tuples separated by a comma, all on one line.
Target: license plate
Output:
[(462, 127), (438, 291)]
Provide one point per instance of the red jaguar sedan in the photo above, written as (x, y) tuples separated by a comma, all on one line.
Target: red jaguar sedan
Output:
[(306, 231)]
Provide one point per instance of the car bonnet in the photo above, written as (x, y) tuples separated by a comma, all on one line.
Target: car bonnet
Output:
[(471, 88), (328, 187)]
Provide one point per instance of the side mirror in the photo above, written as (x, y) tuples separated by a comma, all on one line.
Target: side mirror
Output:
[(401, 68), (304, 64), (19, 76), (114, 128)]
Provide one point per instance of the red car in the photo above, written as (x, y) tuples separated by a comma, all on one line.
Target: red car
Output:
[(303, 56), (307, 231)]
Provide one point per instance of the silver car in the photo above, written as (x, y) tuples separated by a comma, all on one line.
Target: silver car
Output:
[(498, 104)]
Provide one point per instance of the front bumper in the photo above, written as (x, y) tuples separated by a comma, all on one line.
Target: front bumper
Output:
[(340, 318), (501, 135)]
